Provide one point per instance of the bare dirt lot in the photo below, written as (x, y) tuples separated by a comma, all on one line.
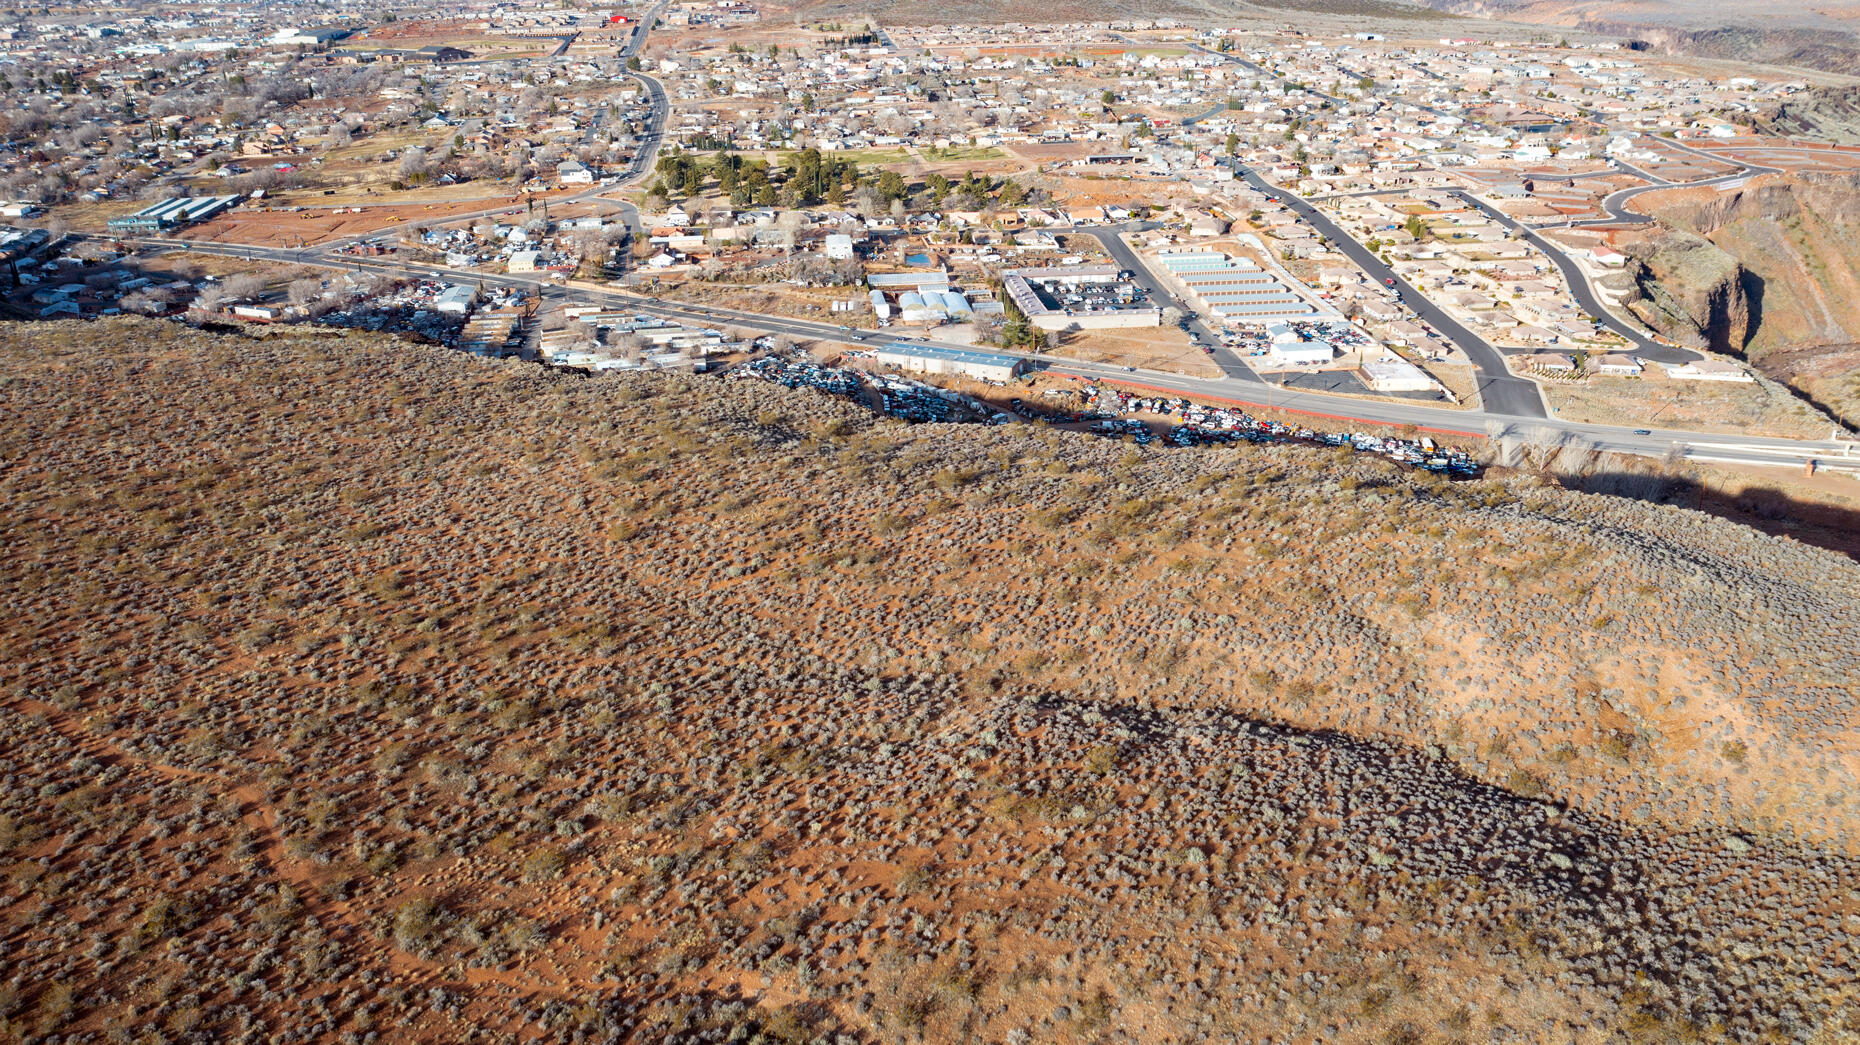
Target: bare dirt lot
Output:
[(1760, 408), (775, 299), (1151, 348), (314, 225)]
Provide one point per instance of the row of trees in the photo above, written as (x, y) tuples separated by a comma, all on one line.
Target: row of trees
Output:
[(812, 177)]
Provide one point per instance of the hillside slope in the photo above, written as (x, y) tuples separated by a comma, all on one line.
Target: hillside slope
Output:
[(1808, 36), (360, 688), (1792, 245)]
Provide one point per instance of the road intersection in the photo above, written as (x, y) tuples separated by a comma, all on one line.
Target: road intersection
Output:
[(1703, 446), (1512, 407)]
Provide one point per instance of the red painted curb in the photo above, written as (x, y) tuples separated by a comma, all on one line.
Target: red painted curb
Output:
[(1178, 393)]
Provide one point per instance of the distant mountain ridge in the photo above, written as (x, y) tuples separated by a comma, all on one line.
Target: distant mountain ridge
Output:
[(1810, 39)]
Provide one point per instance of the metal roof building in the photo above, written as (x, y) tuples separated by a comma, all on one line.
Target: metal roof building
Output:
[(169, 214), (918, 281), (929, 359)]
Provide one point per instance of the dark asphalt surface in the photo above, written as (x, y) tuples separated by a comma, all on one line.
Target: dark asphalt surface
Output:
[(1657, 443), (1499, 391), (1644, 346), (1126, 258)]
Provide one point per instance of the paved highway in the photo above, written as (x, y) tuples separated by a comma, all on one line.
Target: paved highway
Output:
[(1511, 405), (1499, 390), (1656, 443)]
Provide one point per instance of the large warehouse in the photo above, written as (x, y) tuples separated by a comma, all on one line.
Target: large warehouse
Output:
[(173, 213), (1234, 289), (928, 359), (1079, 297)]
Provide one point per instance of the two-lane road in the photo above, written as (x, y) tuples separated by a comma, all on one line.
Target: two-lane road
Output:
[(1126, 258), (1499, 390), (1581, 289), (1244, 392)]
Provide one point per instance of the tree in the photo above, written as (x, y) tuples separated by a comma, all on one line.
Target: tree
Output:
[(210, 298), (413, 163), (1416, 227), (1233, 143), (149, 300), (245, 286), (1109, 97)]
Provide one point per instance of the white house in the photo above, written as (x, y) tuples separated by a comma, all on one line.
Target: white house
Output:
[(1709, 370), (839, 247)]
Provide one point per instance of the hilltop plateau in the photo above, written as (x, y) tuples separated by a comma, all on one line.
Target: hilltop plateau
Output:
[(359, 690)]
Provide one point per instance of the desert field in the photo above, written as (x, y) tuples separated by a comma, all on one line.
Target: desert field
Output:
[(359, 687)]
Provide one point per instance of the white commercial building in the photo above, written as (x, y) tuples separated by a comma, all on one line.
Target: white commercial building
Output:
[(928, 359), (1302, 352), (1392, 374)]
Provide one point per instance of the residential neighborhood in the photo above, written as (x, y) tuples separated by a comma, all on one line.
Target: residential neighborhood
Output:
[(1446, 219)]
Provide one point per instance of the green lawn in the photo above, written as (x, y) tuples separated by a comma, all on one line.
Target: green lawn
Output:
[(863, 157), (965, 154)]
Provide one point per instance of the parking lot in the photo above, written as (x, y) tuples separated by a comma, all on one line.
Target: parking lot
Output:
[(1196, 424), (1110, 413), (901, 397)]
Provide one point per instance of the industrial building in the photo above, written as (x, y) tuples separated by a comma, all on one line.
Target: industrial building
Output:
[(456, 299), (1305, 352), (1393, 374), (1234, 289), (174, 213), (922, 297), (1079, 297), (928, 359)]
